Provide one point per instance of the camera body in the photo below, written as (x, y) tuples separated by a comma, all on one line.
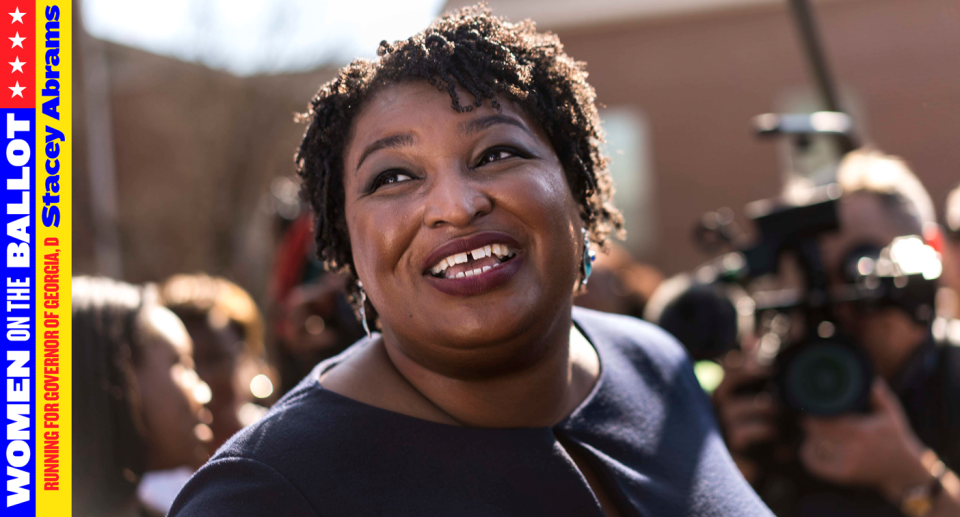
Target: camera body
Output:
[(818, 369)]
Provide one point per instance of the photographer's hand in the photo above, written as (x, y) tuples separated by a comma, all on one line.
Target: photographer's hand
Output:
[(878, 450), (745, 418)]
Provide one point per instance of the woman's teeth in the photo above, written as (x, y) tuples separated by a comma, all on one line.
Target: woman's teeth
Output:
[(477, 271), (499, 252)]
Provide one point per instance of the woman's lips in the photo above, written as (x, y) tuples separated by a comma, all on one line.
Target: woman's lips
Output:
[(478, 284), (466, 245)]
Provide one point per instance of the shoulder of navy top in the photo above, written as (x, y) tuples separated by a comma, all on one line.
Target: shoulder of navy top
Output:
[(294, 419)]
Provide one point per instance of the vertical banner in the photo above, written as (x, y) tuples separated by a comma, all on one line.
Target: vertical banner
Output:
[(18, 114), (35, 113)]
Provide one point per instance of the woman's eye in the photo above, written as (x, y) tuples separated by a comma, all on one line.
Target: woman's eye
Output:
[(390, 177), (495, 155)]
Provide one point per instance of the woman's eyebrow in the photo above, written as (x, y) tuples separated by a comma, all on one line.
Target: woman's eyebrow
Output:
[(387, 142), (479, 124)]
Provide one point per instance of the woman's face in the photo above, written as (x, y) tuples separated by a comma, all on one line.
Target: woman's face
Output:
[(216, 355), (426, 186), (168, 388)]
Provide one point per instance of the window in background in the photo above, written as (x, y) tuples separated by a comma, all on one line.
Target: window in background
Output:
[(629, 150)]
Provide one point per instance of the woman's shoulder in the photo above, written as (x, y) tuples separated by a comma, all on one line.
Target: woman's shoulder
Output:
[(628, 338), (653, 421), (307, 412), (261, 459), (642, 360), (241, 487), (279, 456)]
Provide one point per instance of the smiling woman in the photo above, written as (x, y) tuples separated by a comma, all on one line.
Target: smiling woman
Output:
[(458, 182)]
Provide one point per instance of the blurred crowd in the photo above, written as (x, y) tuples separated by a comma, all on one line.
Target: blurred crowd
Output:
[(167, 372)]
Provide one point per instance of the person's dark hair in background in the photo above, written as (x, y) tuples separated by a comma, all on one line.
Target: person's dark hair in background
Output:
[(227, 332), (132, 384), (863, 464)]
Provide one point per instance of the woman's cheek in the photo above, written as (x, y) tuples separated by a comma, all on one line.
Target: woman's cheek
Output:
[(541, 196), (363, 238), (194, 391), (382, 231)]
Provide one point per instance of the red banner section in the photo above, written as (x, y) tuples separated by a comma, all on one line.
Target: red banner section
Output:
[(18, 54)]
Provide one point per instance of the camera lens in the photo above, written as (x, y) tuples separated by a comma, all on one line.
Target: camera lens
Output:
[(826, 378)]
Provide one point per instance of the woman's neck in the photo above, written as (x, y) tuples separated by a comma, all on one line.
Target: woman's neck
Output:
[(540, 394)]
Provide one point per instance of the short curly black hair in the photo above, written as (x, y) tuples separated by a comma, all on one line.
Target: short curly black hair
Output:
[(486, 57)]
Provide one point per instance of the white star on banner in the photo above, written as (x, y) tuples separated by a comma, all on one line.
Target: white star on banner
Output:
[(17, 90), (17, 15), (17, 40), (17, 65)]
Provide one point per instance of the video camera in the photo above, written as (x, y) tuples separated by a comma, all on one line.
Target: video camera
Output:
[(818, 369)]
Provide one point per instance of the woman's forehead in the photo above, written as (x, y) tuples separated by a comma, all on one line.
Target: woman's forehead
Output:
[(393, 97), (163, 326), (416, 107)]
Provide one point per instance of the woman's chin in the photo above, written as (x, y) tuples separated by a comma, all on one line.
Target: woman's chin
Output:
[(483, 323), (480, 340)]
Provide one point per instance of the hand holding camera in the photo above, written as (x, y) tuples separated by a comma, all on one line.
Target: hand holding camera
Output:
[(747, 418), (877, 450)]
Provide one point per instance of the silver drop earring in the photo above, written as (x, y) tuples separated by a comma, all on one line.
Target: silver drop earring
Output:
[(363, 308), (586, 264)]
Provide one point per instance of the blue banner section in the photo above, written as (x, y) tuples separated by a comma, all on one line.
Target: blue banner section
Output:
[(19, 243)]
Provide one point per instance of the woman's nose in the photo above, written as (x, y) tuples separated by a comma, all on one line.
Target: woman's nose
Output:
[(198, 392), (455, 200)]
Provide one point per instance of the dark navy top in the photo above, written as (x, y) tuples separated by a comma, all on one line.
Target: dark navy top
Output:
[(647, 429)]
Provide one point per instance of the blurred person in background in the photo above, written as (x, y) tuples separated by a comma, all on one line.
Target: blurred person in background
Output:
[(951, 243), (618, 284), (901, 458), (227, 332), (134, 389), (311, 318), (457, 182), (947, 325)]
